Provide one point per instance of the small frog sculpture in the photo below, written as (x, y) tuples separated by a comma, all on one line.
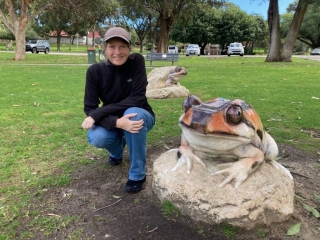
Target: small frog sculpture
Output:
[(225, 128)]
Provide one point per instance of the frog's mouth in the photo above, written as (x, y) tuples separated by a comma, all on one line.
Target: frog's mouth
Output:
[(216, 134), (213, 141)]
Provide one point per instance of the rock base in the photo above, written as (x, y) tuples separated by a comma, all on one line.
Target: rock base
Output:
[(267, 196), (168, 92)]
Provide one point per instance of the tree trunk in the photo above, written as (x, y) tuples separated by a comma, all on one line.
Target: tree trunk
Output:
[(20, 28), (93, 39), (18, 25), (293, 32), (165, 26), (58, 40), (274, 32), (141, 44), (70, 42), (164, 34)]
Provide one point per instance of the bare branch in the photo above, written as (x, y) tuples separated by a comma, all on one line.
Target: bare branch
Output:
[(40, 10), (6, 22), (11, 11), (79, 5), (108, 205)]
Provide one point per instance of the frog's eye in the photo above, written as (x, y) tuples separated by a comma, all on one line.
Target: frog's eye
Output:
[(234, 114)]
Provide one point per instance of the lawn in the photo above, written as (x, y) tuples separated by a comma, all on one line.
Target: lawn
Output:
[(42, 110)]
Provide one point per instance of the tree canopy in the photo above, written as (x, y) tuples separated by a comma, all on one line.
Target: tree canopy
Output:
[(221, 25)]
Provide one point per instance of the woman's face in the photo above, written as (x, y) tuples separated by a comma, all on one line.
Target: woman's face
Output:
[(117, 51)]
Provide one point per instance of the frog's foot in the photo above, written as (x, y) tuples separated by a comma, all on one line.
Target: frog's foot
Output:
[(239, 171), (186, 156), (279, 166)]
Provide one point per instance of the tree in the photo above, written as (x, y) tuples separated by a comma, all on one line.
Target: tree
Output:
[(309, 32), (56, 19), (294, 28), (73, 17), (135, 15), (91, 14), (16, 14), (202, 30), (284, 53), (171, 11), (274, 32), (260, 37), (221, 26)]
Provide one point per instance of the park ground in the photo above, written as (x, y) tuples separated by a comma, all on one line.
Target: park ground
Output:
[(103, 210)]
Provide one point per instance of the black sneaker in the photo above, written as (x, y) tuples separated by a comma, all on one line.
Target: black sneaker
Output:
[(114, 161), (134, 186)]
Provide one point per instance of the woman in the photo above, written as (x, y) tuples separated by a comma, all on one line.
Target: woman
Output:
[(125, 116)]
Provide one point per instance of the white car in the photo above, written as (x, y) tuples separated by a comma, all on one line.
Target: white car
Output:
[(173, 49), (193, 49), (315, 51), (235, 49)]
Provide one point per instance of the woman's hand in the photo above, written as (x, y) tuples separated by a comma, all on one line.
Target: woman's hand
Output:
[(88, 123), (131, 126)]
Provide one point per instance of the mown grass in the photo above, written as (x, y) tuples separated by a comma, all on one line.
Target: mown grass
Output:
[(42, 109)]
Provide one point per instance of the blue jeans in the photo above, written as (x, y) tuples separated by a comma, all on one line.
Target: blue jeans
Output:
[(115, 140)]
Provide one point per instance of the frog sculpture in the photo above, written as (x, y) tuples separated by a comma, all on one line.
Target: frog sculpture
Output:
[(228, 129)]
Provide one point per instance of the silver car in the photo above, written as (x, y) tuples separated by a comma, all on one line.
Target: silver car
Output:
[(36, 46)]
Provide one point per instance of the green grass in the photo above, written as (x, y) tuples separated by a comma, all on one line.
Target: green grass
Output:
[(42, 109), (229, 231), (169, 209)]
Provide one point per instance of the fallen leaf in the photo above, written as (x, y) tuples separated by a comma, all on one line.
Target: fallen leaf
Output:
[(116, 196), (306, 207), (315, 213), (274, 120), (317, 197), (294, 229), (300, 198), (52, 214), (166, 147)]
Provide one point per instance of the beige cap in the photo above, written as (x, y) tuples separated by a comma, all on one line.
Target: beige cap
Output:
[(117, 32)]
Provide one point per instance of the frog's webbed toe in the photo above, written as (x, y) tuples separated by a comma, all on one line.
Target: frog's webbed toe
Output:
[(186, 156), (238, 171), (279, 166)]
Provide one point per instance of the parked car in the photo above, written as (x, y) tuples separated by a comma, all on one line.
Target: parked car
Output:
[(315, 51), (193, 49), (36, 46), (235, 49), (173, 49)]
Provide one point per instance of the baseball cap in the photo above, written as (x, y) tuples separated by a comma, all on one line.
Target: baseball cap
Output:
[(117, 32)]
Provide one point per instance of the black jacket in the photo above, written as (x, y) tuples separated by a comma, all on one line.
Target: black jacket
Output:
[(117, 87)]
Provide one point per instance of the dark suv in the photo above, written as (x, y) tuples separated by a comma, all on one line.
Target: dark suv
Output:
[(36, 46)]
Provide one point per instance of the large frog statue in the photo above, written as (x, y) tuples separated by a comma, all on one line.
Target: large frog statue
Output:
[(225, 128)]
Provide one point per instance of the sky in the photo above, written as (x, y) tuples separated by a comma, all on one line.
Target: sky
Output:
[(260, 6)]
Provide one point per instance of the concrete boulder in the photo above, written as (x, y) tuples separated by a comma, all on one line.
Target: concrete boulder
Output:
[(158, 87), (266, 197)]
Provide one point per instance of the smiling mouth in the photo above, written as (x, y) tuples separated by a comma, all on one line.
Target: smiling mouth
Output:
[(216, 134)]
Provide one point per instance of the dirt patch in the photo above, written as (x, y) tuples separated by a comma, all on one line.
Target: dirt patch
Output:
[(104, 210)]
